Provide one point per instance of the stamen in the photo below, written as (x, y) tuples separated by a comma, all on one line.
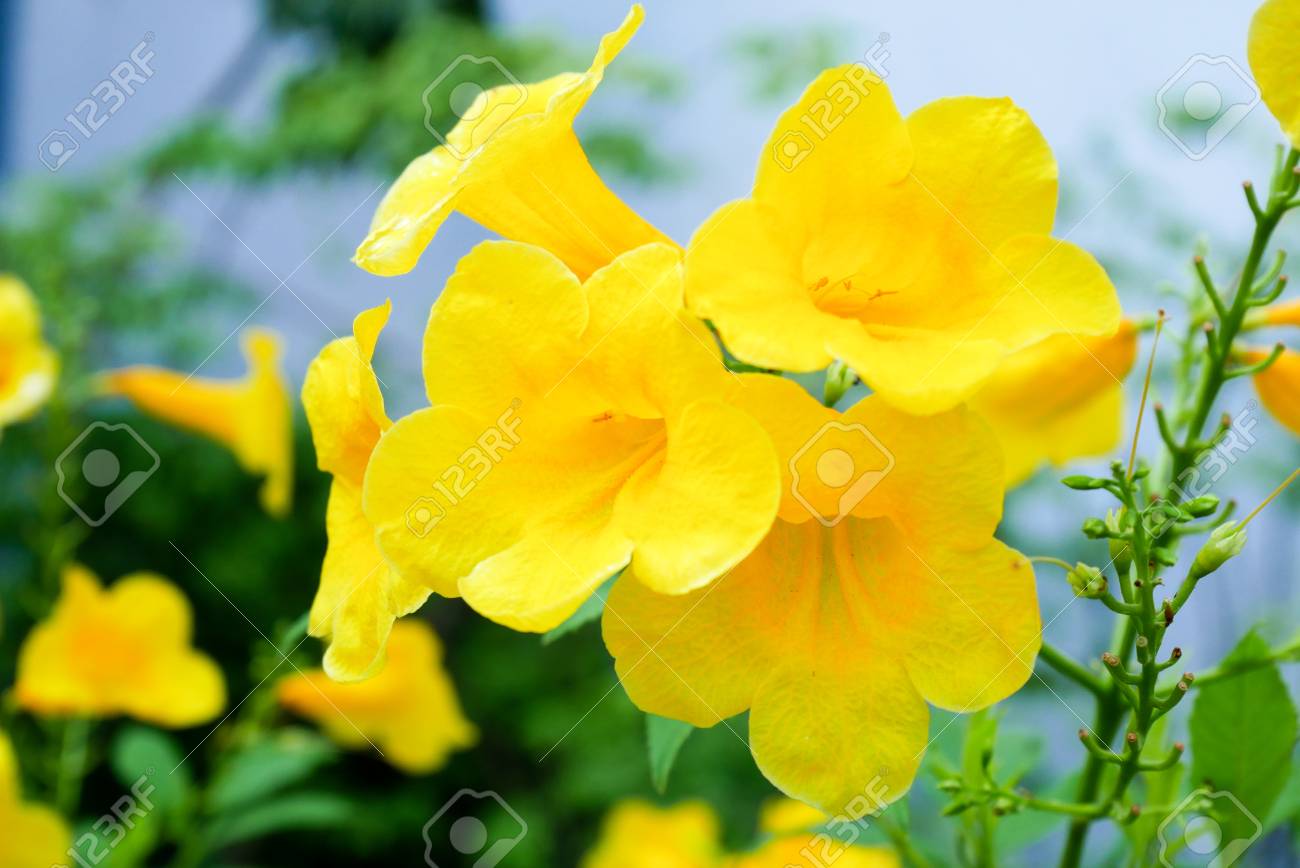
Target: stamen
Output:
[(1146, 387), (1281, 488)]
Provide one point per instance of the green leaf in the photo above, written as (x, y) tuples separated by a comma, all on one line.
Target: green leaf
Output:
[(295, 811), (590, 610), (1243, 731), (151, 767), (267, 767), (664, 738), (1287, 806)]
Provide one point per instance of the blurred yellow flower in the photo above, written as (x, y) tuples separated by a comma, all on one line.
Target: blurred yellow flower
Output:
[(785, 816), (125, 650), (408, 710), (574, 428), (637, 834), (514, 165), (360, 595), (917, 251), (880, 588), (804, 852), (1274, 34), (1058, 400), (250, 416), (33, 836), (1278, 386), (28, 366)]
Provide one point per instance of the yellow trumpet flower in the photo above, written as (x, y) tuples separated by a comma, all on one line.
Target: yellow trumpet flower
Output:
[(514, 165), (408, 710), (34, 836), (879, 588), (250, 416), (124, 650), (28, 366), (917, 251)]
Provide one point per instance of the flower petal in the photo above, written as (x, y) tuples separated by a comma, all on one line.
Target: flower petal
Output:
[(962, 144), (1274, 32), (1279, 387), (966, 622), (718, 472), (341, 396), (1058, 400)]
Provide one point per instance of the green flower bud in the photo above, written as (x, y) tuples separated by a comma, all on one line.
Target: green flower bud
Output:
[(1083, 483), (1121, 554), (1199, 507), (1226, 541), (1094, 528), (1087, 581)]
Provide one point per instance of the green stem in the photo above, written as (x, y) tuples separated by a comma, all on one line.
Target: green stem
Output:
[(72, 764), (1072, 669)]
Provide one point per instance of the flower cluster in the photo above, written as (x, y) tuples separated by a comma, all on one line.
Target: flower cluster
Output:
[(829, 572)]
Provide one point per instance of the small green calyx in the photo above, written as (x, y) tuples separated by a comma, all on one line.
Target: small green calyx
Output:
[(1226, 541), (1200, 507), (1087, 581)]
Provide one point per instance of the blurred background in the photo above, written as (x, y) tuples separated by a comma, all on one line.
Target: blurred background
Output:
[(231, 187)]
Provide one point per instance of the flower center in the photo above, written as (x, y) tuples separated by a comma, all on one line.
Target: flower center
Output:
[(843, 298)]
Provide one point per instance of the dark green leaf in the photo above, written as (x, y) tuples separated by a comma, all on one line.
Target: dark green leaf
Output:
[(665, 738), (590, 610), (150, 766), (267, 767), (295, 811), (1243, 731)]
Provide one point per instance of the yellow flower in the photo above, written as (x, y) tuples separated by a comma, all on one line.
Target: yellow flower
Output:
[(787, 816), (28, 366), (250, 416), (880, 588), (360, 595), (514, 165), (408, 710), (1058, 400), (637, 834), (917, 251), (574, 428), (1274, 33), (34, 836), (1278, 386), (125, 650), (805, 852)]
